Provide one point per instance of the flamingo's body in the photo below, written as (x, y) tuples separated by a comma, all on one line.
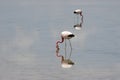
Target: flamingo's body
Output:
[(78, 11), (65, 63), (67, 35)]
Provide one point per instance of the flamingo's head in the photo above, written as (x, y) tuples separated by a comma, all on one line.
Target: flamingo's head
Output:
[(78, 11)]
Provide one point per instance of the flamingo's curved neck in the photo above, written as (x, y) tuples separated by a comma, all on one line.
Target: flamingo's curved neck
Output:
[(81, 17), (57, 54), (62, 59), (62, 40), (57, 50)]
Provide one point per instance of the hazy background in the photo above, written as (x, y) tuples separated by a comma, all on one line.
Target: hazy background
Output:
[(29, 30)]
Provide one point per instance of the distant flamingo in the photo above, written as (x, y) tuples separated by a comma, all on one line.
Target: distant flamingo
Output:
[(78, 12), (66, 63)]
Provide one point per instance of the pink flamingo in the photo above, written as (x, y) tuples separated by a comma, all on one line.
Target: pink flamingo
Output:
[(65, 35), (78, 12)]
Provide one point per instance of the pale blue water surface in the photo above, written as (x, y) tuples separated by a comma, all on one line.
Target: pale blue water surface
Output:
[(29, 30)]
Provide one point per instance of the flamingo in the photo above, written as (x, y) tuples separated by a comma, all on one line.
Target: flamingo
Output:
[(65, 35), (78, 12)]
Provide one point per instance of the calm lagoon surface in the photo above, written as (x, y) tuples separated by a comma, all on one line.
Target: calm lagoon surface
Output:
[(29, 30)]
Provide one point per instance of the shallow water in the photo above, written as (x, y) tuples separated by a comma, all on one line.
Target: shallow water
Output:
[(29, 30)]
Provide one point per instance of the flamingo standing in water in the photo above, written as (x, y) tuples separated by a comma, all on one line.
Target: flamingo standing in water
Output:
[(65, 35), (78, 12)]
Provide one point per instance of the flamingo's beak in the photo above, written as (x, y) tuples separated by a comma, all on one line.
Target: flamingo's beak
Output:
[(71, 35), (74, 12)]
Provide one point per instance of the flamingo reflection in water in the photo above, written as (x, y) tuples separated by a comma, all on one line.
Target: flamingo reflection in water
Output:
[(65, 63)]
